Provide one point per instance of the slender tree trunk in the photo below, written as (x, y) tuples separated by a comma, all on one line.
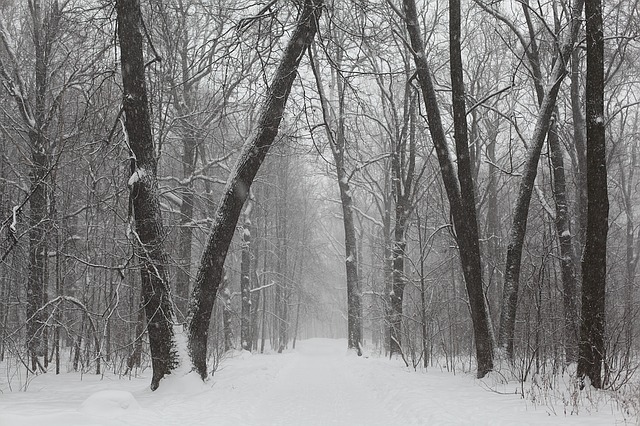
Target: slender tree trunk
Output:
[(338, 146), (185, 234), (37, 249), (594, 259), (246, 337), (143, 187), (579, 139), (227, 313), (209, 273)]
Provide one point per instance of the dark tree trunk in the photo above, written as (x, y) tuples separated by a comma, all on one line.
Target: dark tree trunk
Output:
[(521, 209), (209, 273), (468, 235), (461, 198), (594, 259), (37, 250), (143, 187)]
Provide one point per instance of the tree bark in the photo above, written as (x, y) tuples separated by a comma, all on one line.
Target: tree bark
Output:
[(521, 210), (236, 191), (143, 186), (594, 260), (246, 337), (461, 198), (185, 234)]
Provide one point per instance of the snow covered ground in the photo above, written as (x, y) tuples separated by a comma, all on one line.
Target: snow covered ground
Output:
[(317, 384)]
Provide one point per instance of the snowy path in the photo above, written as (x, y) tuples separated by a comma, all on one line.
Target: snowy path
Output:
[(318, 384)]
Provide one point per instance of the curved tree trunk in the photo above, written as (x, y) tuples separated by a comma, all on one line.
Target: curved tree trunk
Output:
[(209, 274)]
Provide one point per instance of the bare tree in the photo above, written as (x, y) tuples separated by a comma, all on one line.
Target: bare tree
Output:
[(460, 192), (143, 186), (209, 274), (594, 259)]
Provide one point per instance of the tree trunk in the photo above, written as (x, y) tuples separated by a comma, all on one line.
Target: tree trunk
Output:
[(236, 191), (246, 338), (579, 139), (143, 187), (563, 230), (594, 259), (186, 228), (227, 313), (338, 146), (37, 249), (461, 199), (521, 210)]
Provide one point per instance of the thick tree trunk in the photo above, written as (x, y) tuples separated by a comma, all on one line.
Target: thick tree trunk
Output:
[(209, 273), (462, 208), (143, 187), (37, 250), (594, 259)]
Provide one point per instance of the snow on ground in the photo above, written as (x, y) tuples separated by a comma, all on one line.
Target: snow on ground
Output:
[(319, 383)]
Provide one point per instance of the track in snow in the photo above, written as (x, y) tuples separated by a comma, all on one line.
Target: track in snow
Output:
[(319, 383)]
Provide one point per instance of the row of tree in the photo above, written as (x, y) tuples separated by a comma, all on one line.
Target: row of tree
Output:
[(434, 137)]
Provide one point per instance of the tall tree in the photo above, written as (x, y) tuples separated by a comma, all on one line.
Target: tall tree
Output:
[(334, 125), (143, 186), (521, 209), (209, 274), (36, 106), (460, 192), (594, 258)]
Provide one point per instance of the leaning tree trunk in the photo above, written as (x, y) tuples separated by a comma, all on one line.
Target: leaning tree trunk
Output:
[(461, 198), (594, 259), (236, 191), (149, 232), (521, 209)]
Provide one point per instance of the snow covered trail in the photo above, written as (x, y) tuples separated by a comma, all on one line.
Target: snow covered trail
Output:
[(319, 383)]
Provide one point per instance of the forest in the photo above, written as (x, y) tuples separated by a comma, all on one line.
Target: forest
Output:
[(443, 183)]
